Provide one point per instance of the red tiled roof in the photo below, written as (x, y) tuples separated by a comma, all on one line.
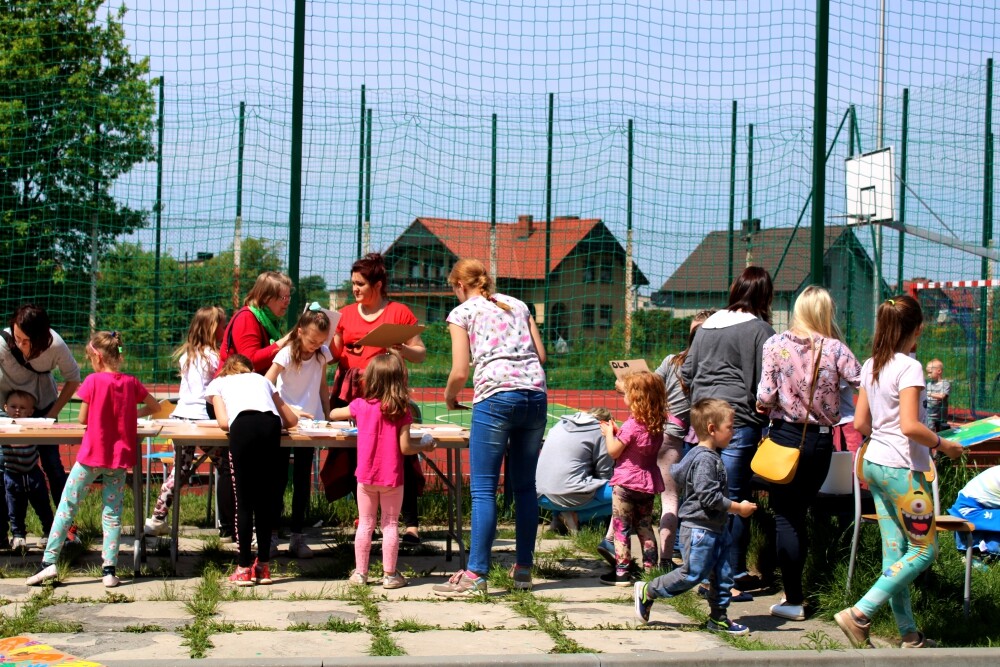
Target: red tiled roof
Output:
[(518, 258), (963, 298)]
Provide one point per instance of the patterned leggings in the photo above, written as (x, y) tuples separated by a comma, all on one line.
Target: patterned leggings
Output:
[(632, 511), (905, 507), (77, 486)]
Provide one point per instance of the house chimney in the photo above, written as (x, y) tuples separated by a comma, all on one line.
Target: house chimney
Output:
[(749, 227), (525, 226)]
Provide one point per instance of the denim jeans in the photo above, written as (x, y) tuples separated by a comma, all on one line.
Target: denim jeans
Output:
[(22, 488), (736, 457), (704, 558), (513, 420)]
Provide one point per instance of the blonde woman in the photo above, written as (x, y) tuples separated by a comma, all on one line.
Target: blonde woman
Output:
[(788, 376)]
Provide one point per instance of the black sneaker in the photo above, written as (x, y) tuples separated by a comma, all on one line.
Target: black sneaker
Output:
[(614, 579), (643, 603), (724, 625)]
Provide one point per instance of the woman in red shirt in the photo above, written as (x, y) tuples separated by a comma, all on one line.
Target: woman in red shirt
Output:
[(372, 307)]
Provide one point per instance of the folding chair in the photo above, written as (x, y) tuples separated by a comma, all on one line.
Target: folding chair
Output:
[(943, 522)]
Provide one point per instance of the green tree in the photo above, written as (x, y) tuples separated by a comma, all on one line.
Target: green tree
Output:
[(76, 112), (313, 288)]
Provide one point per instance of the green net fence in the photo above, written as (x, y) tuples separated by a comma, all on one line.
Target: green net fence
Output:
[(679, 134)]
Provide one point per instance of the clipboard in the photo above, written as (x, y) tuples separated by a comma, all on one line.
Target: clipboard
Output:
[(387, 335), (334, 317), (623, 367)]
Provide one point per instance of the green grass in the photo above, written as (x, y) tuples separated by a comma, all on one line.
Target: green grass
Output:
[(526, 604), (203, 605), (27, 617), (382, 642)]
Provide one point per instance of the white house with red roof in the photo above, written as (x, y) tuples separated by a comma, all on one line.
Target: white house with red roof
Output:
[(586, 269)]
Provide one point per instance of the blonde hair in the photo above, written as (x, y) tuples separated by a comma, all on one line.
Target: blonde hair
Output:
[(815, 312), (202, 333), (386, 380), (235, 364), (709, 411), (647, 398), (267, 286), (472, 275), (107, 347)]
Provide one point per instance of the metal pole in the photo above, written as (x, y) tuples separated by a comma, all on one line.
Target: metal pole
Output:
[(238, 229), (548, 214), (901, 254), (368, 181), (629, 277), (987, 227), (881, 75), (493, 200), (732, 201), (159, 213), (848, 313), (819, 140), (361, 173), (295, 196), (749, 225)]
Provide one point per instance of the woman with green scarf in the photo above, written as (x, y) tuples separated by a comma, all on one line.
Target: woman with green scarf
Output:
[(255, 330)]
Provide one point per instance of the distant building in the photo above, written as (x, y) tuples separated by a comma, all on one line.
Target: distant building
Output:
[(945, 304), (848, 272), (586, 270)]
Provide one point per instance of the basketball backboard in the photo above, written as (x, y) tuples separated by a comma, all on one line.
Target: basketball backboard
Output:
[(871, 186)]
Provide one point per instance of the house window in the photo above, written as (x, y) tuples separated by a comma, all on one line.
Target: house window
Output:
[(588, 315), (605, 318), (599, 269)]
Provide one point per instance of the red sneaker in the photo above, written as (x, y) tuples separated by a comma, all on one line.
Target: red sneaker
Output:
[(243, 576), (71, 536), (262, 573)]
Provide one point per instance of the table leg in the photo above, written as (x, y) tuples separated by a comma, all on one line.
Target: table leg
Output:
[(139, 545), (450, 488), (459, 520), (175, 516)]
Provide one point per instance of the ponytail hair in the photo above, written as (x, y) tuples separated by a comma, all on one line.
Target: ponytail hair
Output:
[(896, 321), (309, 317), (472, 275), (107, 347), (235, 364)]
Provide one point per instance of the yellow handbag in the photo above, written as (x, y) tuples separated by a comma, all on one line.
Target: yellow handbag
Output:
[(777, 463)]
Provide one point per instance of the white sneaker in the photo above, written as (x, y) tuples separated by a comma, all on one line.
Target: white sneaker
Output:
[(395, 580), (792, 612), (157, 527), (358, 578), (111, 581), (274, 545), (19, 545), (297, 547), (44, 574)]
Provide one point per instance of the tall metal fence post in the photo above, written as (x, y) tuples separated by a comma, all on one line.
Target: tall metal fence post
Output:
[(238, 227), (548, 217), (157, 278), (819, 140), (732, 200), (984, 321), (367, 246), (493, 199), (361, 174), (629, 277), (901, 254), (295, 195), (749, 225)]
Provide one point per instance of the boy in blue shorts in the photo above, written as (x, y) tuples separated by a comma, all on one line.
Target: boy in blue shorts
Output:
[(701, 479)]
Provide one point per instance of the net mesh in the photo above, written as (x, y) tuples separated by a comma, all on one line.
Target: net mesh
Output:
[(119, 215)]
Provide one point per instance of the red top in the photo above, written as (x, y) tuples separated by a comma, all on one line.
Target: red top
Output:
[(352, 328), (250, 339), (110, 438)]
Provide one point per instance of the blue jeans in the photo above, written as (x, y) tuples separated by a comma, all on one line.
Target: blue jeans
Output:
[(598, 506), (704, 558), (736, 457), (513, 420), (22, 488)]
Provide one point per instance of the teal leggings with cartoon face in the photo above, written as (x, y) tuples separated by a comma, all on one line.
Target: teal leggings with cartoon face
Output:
[(904, 502)]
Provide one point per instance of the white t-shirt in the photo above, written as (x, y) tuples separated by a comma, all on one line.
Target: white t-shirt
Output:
[(299, 385), (243, 392), (889, 447), (201, 370), (984, 488)]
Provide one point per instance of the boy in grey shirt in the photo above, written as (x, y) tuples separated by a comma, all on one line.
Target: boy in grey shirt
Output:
[(23, 480), (937, 396), (705, 541)]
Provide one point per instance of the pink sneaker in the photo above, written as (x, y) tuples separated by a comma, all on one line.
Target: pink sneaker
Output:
[(243, 576)]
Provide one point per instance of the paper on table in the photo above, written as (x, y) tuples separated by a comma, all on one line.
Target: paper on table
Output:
[(623, 367), (334, 318), (387, 335)]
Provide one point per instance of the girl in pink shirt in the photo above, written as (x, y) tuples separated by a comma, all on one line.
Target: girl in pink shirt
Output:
[(636, 479), (108, 450), (383, 418)]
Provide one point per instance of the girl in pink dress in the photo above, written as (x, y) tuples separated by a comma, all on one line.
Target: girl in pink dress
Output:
[(108, 450), (382, 414)]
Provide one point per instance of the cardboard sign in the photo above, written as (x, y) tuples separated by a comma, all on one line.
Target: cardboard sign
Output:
[(626, 366), (387, 335)]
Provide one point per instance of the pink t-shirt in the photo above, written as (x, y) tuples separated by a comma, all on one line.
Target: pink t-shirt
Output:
[(110, 438), (380, 463), (636, 468)]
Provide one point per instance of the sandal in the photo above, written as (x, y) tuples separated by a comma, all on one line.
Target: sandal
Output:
[(855, 629)]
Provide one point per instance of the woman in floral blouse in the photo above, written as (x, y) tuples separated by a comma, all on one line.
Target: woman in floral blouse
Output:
[(788, 367)]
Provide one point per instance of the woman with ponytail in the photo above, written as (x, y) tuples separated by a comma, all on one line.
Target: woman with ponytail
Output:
[(497, 334), (891, 406)]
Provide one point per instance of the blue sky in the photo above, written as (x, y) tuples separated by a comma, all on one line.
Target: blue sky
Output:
[(435, 71)]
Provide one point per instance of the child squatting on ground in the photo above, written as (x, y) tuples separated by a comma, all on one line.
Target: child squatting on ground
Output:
[(248, 406), (107, 451), (636, 479), (383, 418), (701, 477), (23, 478)]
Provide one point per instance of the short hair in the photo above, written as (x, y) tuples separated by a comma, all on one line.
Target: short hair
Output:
[(33, 321), (709, 411), (267, 286), (600, 414), (20, 393), (371, 267), (935, 362)]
